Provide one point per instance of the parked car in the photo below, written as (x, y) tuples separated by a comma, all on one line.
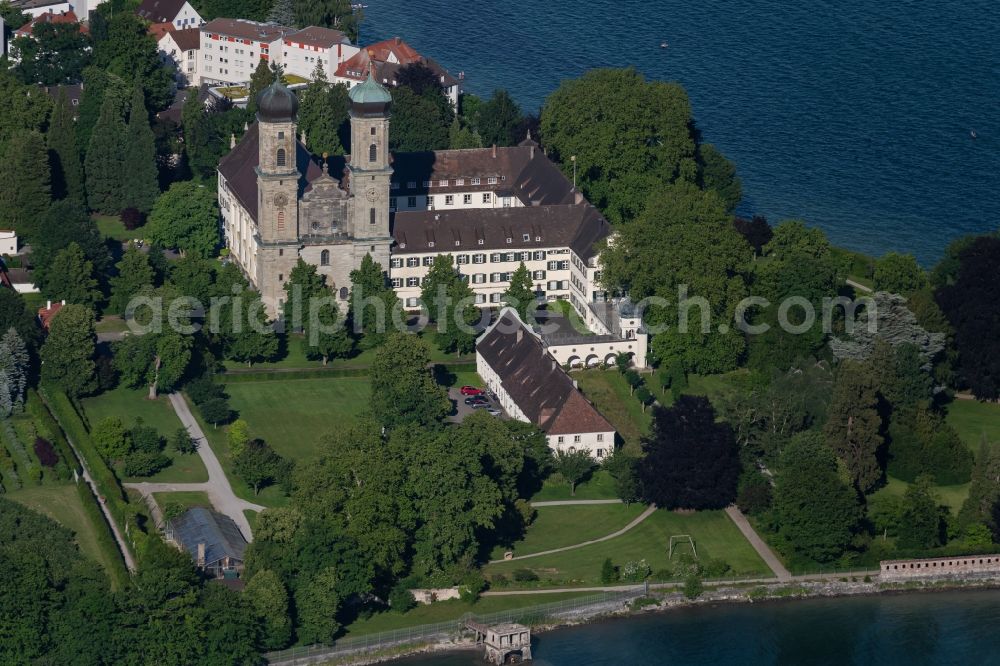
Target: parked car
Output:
[(471, 390), (481, 405), (493, 411), (477, 400)]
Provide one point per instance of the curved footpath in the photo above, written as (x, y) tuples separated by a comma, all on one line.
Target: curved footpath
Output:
[(219, 492)]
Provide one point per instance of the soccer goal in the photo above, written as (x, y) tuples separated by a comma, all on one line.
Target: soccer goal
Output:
[(681, 539)]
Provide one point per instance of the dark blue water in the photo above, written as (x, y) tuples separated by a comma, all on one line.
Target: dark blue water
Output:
[(903, 630), (854, 115)]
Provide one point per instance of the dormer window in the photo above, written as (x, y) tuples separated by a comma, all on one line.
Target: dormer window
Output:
[(509, 241), (430, 243), (481, 241), (526, 237)]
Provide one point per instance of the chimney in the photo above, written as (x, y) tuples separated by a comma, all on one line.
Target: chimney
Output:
[(494, 151), (48, 305), (579, 197), (397, 40), (64, 301), (201, 555), (232, 141), (576, 384), (520, 334), (532, 153)]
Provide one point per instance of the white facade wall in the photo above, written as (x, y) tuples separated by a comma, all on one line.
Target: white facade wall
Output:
[(185, 63), (8, 242), (83, 8), (187, 17), (301, 59), (492, 381), (582, 354), (488, 272), (231, 60), (452, 201), (239, 229)]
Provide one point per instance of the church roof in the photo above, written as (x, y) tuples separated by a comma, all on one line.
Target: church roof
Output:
[(277, 103), (576, 226), (369, 92), (239, 169), (535, 381)]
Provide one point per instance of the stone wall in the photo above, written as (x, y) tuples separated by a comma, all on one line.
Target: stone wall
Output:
[(939, 566), (430, 595)]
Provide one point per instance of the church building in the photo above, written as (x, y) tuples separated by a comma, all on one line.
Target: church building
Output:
[(490, 208)]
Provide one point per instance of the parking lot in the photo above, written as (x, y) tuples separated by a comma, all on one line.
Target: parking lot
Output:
[(462, 410)]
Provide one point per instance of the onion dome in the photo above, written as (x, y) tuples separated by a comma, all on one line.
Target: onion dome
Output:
[(277, 104)]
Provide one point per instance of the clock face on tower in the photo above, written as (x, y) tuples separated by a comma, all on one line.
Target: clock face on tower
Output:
[(372, 194), (280, 200)]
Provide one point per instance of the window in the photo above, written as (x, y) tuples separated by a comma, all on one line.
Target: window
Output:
[(429, 260), (475, 181), (281, 253), (459, 181), (526, 237), (449, 200), (560, 439), (396, 262), (393, 186), (466, 199), (281, 220), (411, 202), (372, 151), (412, 262), (443, 183), (495, 277), (371, 216), (411, 184), (482, 241), (412, 302), (324, 258), (396, 282), (506, 202), (462, 259), (492, 180), (495, 298), (479, 258), (600, 437), (479, 278), (496, 258), (427, 183), (480, 299), (281, 135), (539, 255), (280, 159), (600, 452), (576, 439), (373, 131), (392, 203), (509, 240), (487, 197), (538, 275), (412, 282)]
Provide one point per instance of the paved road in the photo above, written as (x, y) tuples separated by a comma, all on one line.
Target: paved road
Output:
[(219, 492), (576, 502), (765, 552), (641, 517), (858, 286)]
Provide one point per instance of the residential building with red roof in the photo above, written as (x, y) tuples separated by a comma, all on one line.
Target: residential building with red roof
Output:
[(46, 314), (302, 51), (68, 16), (181, 50), (388, 57), (531, 386), (232, 48), (178, 13)]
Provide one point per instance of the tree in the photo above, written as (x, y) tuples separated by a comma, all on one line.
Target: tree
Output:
[(372, 301), (853, 427), (322, 114), (756, 231), (63, 224), (269, 599), (140, 177), (642, 142), (691, 461), (608, 573), (103, 163), (25, 189), (920, 521), (403, 388), (53, 53), (238, 437), (282, 12), (186, 217), (894, 323), (623, 469), (311, 308), (419, 122), (232, 634), (899, 274), (216, 410), (145, 463), (130, 53), (815, 511), (461, 316), (574, 466), (717, 173), (684, 248), (498, 119), (183, 442), (337, 14), (520, 294), (263, 76), (134, 275), (23, 108), (69, 350), (973, 311), (70, 277), (434, 286), (251, 338), (14, 314), (64, 158), (15, 364), (921, 443), (461, 137), (316, 603), (984, 491), (157, 359), (258, 465)]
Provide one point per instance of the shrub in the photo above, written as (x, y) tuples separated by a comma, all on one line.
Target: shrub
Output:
[(693, 587), (46, 454), (524, 575), (35, 474), (216, 411), (526, 511), (636, 570), (110, 438), (182, 442), (146, 439), (715, 568), (608, 573), (204, 388), (754, 494), (107, 375), (471, 586), (145, 463), (401, 599), (132, 218)]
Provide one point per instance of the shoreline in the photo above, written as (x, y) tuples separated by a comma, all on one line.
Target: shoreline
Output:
[(667, 601)]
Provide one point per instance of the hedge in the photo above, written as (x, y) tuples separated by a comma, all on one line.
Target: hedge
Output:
[(105, 540), (41, 415), (319, 373)]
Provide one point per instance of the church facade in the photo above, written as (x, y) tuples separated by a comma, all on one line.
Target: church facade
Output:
[(490, 208)]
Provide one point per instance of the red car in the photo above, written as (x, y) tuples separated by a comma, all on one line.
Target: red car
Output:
[(471, 390)]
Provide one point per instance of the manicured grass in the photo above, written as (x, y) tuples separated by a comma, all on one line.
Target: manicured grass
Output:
[(444, 611), (558, 526), (950, 496), (293, 415), (62, 504), (713, 386), (110, 226), (184, 498), (973, 419), (129, 405), (609, 392), (251, 517), (111, 324), (599, 486), (714, 534)]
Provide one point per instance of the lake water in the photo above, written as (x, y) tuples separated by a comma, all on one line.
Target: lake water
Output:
[(900, 630), (854, 115)]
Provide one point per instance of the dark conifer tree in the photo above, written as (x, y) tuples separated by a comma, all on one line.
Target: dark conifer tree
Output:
[(25, 191), (139, 180), (104, 160), (64, 158)]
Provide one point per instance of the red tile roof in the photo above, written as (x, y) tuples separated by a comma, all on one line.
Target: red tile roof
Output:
[(388, 57), (50, 17), (317, 36), (46, 314)]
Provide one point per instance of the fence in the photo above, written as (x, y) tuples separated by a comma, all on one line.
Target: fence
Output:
[(450, 629)]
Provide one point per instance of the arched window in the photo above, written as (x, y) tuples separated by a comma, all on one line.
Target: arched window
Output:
[(281, 220), (324, 258), (371, 216), (280, 159), (372, 153)]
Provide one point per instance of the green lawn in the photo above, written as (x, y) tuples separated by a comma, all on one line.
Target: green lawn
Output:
[(62, 504), (110, 324), (444, 611), (110, 226), (184, 498), (973, 419), (950, 496), (599, 486), (130, 405), (714, 534), (609, 392), (558, 526)]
